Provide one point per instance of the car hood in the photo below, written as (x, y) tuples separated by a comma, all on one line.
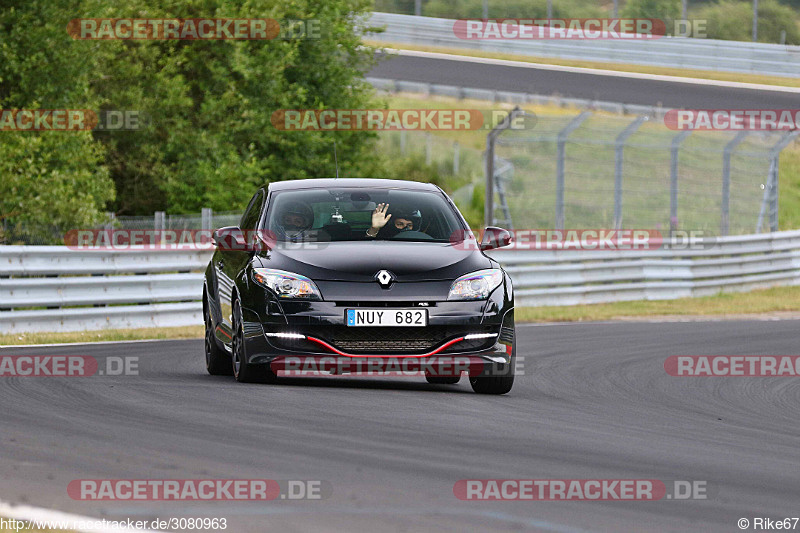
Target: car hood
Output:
[(360, 261)]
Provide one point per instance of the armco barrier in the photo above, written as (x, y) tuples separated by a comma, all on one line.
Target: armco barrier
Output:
[(723, 264), (675, 52), (54, 288)]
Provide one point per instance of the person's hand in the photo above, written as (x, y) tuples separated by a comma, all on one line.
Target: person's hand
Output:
[(379, 218)]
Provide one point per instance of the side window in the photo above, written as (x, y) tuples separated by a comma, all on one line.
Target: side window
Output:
[(250, 216)]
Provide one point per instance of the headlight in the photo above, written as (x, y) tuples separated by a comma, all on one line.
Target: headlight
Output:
[(286, 284), (477, 285)]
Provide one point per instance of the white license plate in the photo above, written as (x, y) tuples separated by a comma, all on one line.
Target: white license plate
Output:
[(386, 317)]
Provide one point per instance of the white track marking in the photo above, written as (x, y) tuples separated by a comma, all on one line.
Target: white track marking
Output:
[(91, 343), (665, 320), (28, 513)]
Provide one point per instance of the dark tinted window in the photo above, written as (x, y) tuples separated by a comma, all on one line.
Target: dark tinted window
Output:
[(250, 216), (345, 214)]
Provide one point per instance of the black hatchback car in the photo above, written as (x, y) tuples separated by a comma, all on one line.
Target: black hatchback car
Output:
[(348, 271)]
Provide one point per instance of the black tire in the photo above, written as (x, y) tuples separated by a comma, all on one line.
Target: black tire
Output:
[(499, 381), (243, 372), (492, 384), (218, 362), (442, 380)]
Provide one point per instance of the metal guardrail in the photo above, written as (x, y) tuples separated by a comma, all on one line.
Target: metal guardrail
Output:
[(674, 52), (723, 264), (54, 288)]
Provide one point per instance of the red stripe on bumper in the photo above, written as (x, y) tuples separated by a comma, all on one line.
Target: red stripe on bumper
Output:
[(434, 352)]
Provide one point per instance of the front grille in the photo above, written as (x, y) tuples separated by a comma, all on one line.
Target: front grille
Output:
[(389, 340), (373, 340), (399, 340)]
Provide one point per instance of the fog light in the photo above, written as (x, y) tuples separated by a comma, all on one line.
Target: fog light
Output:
[(285, 335)]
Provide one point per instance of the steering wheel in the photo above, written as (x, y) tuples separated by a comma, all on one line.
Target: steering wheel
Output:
[(412, 235)]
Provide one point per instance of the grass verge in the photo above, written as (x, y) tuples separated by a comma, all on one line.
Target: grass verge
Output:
[(189, 332), (621, 67), (758, 302)]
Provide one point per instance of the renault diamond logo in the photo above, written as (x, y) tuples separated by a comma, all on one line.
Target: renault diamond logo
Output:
[(385, 278)]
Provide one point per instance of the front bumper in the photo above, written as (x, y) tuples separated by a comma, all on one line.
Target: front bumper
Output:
[(477, 334)]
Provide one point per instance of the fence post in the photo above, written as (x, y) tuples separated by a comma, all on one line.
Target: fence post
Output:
[(562, 142), (158, 225), (755, 20), (724, 225), (619, 146), (455, 158), (206, 219), (771, 189), (673, 179), (428, 141), (488, 206)]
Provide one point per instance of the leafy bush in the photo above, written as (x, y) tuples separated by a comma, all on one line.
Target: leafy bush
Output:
[(210, 141), (733, 20), (666, 10), (511, 9), (47, 179)]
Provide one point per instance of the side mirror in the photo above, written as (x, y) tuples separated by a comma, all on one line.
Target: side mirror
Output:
[(495, 238), (229, 238)]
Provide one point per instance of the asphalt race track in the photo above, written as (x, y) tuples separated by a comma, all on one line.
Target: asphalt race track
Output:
[(595, 403), (580, 85)]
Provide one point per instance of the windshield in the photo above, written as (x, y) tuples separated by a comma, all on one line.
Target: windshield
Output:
[(358, 214)]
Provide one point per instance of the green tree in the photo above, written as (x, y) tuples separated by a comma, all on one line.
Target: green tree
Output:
[(666, 10), (48, 180), (210, 141), (512, 9), (733, 20)]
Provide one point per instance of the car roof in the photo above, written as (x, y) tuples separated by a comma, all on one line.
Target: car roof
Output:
[(327, 183)]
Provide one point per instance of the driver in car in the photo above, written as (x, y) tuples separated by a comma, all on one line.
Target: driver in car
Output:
[(403, 221), (295, 219)]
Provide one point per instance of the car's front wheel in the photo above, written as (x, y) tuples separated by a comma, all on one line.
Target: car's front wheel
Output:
[(217, 361), (242, 371), (500, 378)]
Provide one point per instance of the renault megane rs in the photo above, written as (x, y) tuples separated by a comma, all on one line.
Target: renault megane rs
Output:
[(348, 270)]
